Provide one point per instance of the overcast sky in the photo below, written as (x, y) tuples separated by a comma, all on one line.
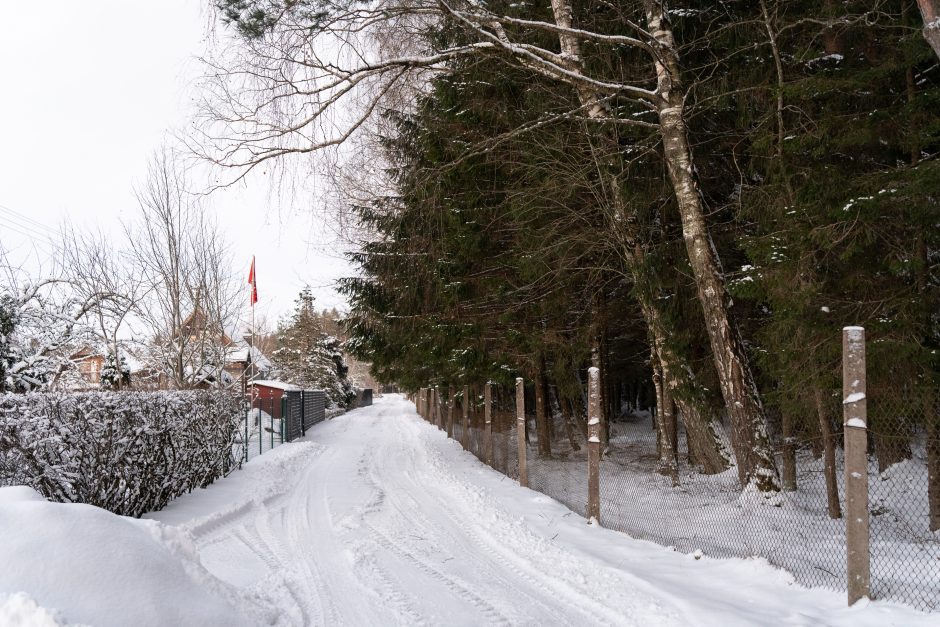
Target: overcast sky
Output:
[(88, 90)]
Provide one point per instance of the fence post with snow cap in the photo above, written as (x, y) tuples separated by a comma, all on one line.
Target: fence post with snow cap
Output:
[(855, 424), (488, 423), (520, 431), (594, 445)]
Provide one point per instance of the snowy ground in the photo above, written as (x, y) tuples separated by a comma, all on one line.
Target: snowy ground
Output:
[(378, 519)]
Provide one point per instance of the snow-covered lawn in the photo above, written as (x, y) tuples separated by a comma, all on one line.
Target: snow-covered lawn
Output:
[(376, 518)]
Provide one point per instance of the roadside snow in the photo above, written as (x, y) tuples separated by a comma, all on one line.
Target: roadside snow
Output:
[(381, 520), (81, 564), (386, 521), (19, 610)]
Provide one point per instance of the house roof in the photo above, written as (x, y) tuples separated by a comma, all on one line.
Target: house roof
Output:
[(277, 385), (240, 352), (196, 324)]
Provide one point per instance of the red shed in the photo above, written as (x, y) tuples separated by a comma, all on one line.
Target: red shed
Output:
[(266, 395)]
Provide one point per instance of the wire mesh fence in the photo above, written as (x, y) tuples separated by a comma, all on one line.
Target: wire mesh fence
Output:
[(800, 528), (904, 495)]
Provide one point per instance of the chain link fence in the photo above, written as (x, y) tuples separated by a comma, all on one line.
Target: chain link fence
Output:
[(800, 529)]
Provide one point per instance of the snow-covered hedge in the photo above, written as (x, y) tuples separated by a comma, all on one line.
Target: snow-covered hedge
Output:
[(127, 452)]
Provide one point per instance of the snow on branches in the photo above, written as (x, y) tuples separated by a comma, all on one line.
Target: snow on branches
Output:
[(127, 452)]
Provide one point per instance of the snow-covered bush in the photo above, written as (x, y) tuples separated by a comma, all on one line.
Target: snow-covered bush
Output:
[(127, 452)]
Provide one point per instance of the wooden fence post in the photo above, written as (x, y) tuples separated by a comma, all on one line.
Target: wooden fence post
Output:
[(520, 431), (466, 417), (436, 408), (594, 445), (488, 423), (855, 424)]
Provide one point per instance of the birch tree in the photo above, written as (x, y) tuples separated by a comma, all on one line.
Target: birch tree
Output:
[(930, 11)]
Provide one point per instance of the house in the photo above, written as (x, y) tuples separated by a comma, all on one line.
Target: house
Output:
[(266, 395), (245, 363), (89, 362)]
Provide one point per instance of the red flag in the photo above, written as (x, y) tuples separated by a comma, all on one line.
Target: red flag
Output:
[(253, 282)]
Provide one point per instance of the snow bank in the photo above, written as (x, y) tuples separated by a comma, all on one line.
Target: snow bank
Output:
[(72, 563), (20, 610)]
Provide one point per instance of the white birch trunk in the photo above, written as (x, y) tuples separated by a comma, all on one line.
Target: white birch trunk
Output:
[(749, 439)]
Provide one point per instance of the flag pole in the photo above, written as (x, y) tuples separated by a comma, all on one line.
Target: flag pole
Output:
[(251, 330)]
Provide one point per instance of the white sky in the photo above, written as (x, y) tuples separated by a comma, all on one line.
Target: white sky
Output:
[(88, 90)]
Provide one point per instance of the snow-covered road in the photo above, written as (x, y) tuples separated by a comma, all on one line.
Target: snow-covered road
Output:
[(378, 519)]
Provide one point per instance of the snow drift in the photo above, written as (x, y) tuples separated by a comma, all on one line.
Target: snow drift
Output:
[(73, 563)]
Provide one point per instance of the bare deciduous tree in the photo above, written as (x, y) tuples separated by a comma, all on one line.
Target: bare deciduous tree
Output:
[(190, 297), (101, 273)]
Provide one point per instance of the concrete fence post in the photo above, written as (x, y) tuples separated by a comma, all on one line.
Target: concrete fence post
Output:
[(855, 423), (520, 431), (594, 445), (488, 423), (465, 405)]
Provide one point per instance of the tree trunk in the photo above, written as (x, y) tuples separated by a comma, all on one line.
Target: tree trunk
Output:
[(577, 415), (541, 414), (746, 415), (705, 448), (465, 406), (657, 385), (829, 452), (566, 408), (451, 402), (666, 435), (789, 453), (932, 416), (930, 10)]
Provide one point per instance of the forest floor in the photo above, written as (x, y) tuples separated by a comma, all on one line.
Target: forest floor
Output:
[(376, 518)]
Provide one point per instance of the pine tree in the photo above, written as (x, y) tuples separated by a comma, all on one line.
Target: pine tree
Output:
[(114, 373)]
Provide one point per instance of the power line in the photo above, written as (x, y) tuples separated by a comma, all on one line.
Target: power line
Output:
[(29, 222)]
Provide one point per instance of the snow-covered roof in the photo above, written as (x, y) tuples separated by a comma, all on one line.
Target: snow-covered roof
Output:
[(240, 351), (277, 385)]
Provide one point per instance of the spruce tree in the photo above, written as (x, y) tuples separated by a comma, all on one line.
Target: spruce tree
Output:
[(307, 357)]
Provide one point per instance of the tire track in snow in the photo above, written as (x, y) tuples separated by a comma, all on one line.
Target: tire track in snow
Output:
[(491, 572), (538, 556), (461, 589)]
